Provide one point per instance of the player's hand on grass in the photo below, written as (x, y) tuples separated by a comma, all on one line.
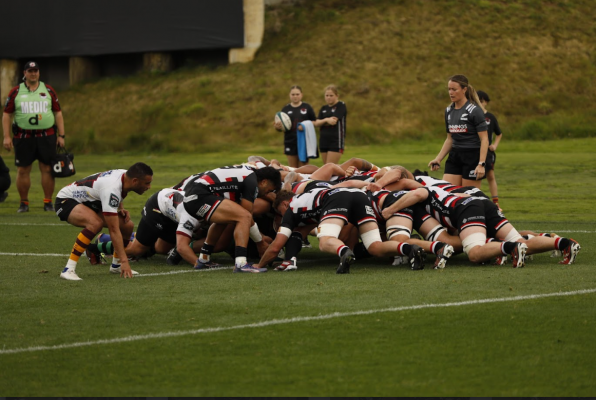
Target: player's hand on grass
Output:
[(125, 270)]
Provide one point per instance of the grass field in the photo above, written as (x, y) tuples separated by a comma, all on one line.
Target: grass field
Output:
[(467, 330)]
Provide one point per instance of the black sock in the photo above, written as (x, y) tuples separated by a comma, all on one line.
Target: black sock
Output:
[(562, 244), (241, 251), (508, 247), (293, 245)]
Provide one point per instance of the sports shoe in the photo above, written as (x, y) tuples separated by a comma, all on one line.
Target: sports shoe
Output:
[(48, 207), (443, 255), (3, 197), (288, 265), (23, 208), (417, 257), (69, 275), (248, 267), (345, 261), (500, 260), (118, 269), (400, 260), (306, 244), (205, 265), (95, 257), (174, 257), (570, 252), (518, 255)]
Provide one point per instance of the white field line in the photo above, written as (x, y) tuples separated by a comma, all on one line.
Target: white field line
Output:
[(284, 321)]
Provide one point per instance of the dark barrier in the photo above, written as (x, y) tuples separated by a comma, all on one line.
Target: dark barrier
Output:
[(39, 28)]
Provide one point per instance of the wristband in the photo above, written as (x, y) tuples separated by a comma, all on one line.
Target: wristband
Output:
[(62, 136), (255, 234)]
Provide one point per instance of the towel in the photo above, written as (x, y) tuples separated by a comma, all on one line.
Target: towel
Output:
[(307, 141)]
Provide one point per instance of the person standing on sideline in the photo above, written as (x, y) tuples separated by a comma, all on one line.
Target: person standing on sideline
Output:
[(38, 127), (95, 202), (491, 158), (298, 111), (4, 180), (332, 121), (467, 138)]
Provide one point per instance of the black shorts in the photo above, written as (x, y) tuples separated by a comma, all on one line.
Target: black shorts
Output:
[(154, 225), (471, 190), (495, 219), (469, 213), (203, 204), (463, 163), (64, 207), (290, 144), (27, 150), (404, 212), (329, 143), (491, 159), (353, 207)]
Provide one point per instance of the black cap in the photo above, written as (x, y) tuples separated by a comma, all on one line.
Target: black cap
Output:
[(483, 96), (30, 65)]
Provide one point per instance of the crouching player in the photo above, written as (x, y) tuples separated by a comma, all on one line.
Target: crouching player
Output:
[(95, 202), (329, 210)]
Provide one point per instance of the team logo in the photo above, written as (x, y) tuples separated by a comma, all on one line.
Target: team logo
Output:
[(114, 201), (333, 109), (501, 214), (159, 226), (203, 210), (189, 226), (42, 95), (303, 111), (464, 117)]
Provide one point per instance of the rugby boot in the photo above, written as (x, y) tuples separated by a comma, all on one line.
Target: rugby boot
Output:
[(518, 255), (3, 197), (345, 261), (116, 269), (570, 252), (288, 265), (249, 267), (174, 257), (23, 208), (69, 275), (205, 264), (94, 256), (48, 207), (442, 256), (417, 257)]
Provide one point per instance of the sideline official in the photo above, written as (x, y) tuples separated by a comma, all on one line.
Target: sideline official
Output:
[(38, 128)]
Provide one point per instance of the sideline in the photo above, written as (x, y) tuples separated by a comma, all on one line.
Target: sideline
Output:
[(261, 324)]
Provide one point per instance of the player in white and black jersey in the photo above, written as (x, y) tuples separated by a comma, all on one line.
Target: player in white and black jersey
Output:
[(330, 210), (226, 195), (95, 202), (332, 122), (477, 218), (298, 111), (467, 138)]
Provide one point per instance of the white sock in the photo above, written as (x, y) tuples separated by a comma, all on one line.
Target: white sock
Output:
[(71, 265), (240, 261), (115, 262)]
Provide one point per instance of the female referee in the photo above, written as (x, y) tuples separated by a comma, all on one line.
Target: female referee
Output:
[(298, 112), (467, 137)]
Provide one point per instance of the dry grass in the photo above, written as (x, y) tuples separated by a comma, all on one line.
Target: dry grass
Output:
[(391, 61)]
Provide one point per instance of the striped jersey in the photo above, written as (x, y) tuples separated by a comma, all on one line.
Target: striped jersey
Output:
[(104, 187)]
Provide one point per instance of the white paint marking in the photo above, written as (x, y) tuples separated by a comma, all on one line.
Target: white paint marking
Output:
[(261, 324), (35, 254)]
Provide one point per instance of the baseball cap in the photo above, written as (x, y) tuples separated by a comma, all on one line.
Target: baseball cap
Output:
[(30, 65)]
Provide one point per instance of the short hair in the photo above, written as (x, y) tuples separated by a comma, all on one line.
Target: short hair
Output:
[(270, 174), (282, 196), (417, 172), (139, 170), (483, 96)]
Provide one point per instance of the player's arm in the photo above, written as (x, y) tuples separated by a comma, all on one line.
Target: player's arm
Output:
[(183, 248), (275, 247), (404, 184), (6, 121), (480, 170), (409, 199), (254, 232), (113, 224), (493, 147), (435, 164)]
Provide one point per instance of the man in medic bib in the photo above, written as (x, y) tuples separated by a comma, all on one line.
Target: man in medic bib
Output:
[(38, 127)]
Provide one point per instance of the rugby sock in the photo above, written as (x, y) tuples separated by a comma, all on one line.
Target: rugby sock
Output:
[(47, 201), (404, 249), (25, 201), (342, 249), (508, 247), (206, 251), (496, 199), (115, 261), (83, 240), (103, 247), (241, 254), (293, 246), (436, 246), (561, 243)]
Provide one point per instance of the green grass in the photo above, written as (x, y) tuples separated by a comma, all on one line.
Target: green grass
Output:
[(391, 61), (527, 347)]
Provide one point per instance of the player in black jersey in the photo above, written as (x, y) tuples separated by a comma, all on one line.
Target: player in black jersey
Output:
[(330, 210), (332, 121), (491, 158), (477, 218), (226, 195), (298, 111), (467, 138)]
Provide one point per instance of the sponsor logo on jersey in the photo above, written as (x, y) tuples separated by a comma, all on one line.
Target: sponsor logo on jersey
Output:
[(324, 111), (466, 201), (473, 219), (369, 210), (189, 226), (34, 107), (107, 173), (336, 210), (203, 210), (400, 193), (325, 184), (289, 112), (458, 128), (114, 201)]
